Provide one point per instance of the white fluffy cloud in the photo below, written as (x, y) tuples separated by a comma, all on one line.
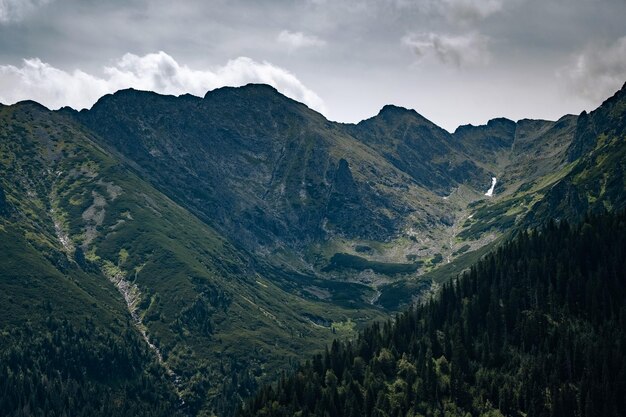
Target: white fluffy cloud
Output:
[(12, 10), (55, 88), (460, 51), (598, 71), (297, 40)]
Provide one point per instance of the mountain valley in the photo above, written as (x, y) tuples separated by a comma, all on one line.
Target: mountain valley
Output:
[(210, 244)]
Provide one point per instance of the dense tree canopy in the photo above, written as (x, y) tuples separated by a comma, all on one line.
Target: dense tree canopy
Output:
[(536, 328), (65, 370)]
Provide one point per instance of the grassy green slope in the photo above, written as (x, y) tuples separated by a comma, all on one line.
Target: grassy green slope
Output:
[(545, 169), (221, 320), (67, 344), (597, 180)]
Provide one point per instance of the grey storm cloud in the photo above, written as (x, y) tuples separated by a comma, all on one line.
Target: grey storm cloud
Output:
[(459, 51), (16, 10), (598, 70), (470, 10), (349, 56)]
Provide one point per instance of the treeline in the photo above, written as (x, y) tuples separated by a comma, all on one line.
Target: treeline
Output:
[(537, 328), (64, 370)]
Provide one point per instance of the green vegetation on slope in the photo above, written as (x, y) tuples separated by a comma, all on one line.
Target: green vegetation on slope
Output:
[(598, 178), (271, 175), (66, 345), (536, 328), (345, 260), (221, 320)]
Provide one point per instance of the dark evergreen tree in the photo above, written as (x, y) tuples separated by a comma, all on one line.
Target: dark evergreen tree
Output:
[(536, 328)]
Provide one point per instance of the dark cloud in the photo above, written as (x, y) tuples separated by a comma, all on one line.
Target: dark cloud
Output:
[(351, 53), (460, 51), (16, 10), (598, 70)]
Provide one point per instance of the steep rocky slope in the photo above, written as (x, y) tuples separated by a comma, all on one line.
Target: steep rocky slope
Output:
[(281, 182)]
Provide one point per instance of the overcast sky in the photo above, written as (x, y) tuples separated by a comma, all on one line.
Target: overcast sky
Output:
[(454, 61)]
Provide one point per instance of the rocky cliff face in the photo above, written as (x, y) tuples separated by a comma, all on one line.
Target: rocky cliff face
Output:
[(258, 166), (597, 153), (280, 181), (272, 175)]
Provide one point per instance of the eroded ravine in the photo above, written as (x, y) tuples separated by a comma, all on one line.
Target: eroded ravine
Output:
[(132, 297), (117, 276)]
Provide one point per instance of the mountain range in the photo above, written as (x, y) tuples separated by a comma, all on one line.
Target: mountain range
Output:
[(205, 245)]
